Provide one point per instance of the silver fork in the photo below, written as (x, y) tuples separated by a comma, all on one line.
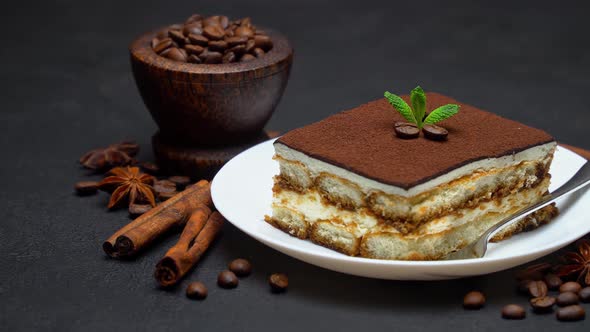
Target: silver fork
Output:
[(478, 248)]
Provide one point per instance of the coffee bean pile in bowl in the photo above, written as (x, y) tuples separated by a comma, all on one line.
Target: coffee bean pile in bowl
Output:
[(211, 40)]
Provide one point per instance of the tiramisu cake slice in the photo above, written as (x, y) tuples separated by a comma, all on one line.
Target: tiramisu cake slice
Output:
[(350, 184)]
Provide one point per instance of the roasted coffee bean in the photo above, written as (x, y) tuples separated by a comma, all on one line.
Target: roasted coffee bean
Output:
[(154, 42), (570, 286), (553, 281), (211, 57), (180, 181), (194, 49), (136, 210), (224, 21), (163, 196), (406, 130), (162, 34), (229, 57), (247, 57), (163, 45), (537, 288), (240, 267), (513, 311), (184, 53), (194, 18), (474, 300), (263, 42), (258, 52), (244, 31), (164, 186), (233, 41), (567, 298), (584, 294), (435, 133), (194, 28), (571, 313), (150, 167), (229, 33), (217, 45), (196, 290), (177, 36), (542, 304), (238, 50), (213, 32), (86, 188), (250, 45), (278, 282), (175, 27), (246, 22), (174, 53), (227, 279), (198, 39), (194, 59), (211, 21)]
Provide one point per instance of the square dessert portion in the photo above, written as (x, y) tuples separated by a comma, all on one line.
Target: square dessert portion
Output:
[(348, 183)]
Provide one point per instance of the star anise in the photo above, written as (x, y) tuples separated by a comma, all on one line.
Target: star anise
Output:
[(577, 263), (120, 154), (128, 185)]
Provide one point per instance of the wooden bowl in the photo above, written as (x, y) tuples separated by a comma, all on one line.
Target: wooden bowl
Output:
[(210, 104)]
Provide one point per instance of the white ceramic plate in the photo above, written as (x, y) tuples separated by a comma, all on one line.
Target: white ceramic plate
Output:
[(242, 193)]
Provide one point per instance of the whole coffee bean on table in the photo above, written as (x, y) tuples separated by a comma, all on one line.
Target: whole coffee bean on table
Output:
[(513, 311), (136, 210), (278, 282), (553, 281), (537, 288), (584, 294), (227, 279), (474, 300), (196, 290), (180, 181), (542, 304), (567, 298), (164, 186), (570, 286), (571, 313), (241, 267), (86, 188)]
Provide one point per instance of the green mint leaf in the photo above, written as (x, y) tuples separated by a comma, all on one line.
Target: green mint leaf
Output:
[(441, 113), (418, 99), (401, 106)]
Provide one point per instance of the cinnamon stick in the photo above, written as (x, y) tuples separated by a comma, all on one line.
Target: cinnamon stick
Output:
[(172, 213), (196, 237)]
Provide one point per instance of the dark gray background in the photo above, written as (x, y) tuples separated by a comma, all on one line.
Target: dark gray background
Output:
[(66, 87)]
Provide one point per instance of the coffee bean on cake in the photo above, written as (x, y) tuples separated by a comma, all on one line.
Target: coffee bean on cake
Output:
[(212, 40)]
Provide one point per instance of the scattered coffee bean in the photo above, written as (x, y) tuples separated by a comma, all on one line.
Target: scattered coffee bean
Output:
[(163, 196), (173, 53), (196, 290), (150, 168), (247, 57), (584, 294), (570, 286), (278, 282), (86, 188), (198, 40), (227, 279), (567, 298), (406, 130), (553, 281), (164, 186), (216, 34), (537, 288), (542, 304), (435, 133), (258, 52), (571, 313), (474, 300), (180, 181), (513, 311), (136, 210), (240, 267)]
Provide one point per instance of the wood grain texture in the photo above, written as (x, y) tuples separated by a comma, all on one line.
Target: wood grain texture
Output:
[(210, 104)]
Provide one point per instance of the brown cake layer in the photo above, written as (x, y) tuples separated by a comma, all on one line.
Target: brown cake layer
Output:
[(362, 140)]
